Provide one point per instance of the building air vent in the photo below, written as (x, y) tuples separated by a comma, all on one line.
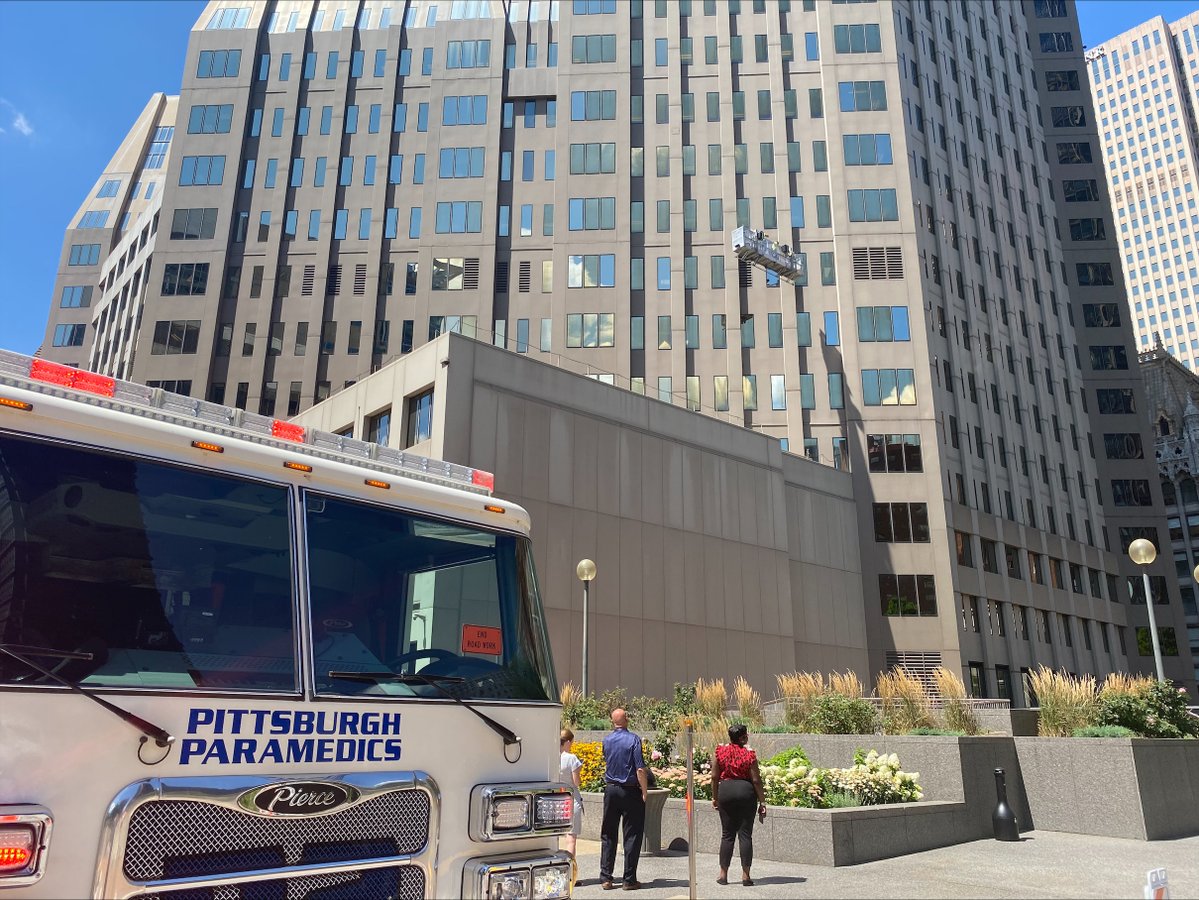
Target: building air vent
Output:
[(501, 276), (524, 276), (918, 664), (309, 278), (470, 273), (359, 279), (877, 263), (333, 284)]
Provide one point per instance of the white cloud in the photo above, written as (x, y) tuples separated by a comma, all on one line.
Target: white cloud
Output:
[(19, 122)]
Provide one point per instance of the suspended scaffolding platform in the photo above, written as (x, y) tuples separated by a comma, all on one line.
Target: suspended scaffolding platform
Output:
[(753, 246)]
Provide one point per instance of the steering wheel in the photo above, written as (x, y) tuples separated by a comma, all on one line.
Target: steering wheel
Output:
[(436, 654)]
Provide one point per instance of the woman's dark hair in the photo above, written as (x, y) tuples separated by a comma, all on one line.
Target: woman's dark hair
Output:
[(738, 734)]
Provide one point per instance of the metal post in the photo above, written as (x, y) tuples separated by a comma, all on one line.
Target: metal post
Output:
[(691, 810), (1157, 647), (586, 586)]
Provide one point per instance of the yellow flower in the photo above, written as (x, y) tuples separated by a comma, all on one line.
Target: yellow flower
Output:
[(591, 755)]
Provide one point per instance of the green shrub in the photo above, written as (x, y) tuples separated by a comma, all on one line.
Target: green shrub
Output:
[(1108, 731), (684, 701), (616, 698), (840, 800), (784, 757), (941, 731), (579, 711), (648, 714), (781, 728), (1159, 711), (755, 728), (837, 714)]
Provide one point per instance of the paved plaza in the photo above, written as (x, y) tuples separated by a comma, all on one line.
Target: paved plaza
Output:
[(1043, 864)]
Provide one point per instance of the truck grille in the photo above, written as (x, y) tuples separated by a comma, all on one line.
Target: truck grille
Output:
[(189, 839), (396, 883)]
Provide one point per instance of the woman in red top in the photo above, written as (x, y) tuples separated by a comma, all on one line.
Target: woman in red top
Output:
[(736, 783)]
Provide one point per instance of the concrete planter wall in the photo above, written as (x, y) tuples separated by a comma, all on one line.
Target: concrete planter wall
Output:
[(956, 774), (1138, 788), (819, 837)]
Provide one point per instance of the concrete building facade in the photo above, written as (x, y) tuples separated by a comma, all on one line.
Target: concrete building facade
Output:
[(717, 554), (1144, 86), (560, 179)]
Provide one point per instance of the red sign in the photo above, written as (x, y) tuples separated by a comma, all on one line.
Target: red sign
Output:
[(482, 639)]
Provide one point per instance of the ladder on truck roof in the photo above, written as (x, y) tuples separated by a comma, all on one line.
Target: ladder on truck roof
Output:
[(44, 377)]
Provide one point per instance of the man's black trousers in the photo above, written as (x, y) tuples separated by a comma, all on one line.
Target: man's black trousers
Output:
[(621, 801)]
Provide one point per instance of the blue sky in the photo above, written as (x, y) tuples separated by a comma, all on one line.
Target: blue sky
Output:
[(65, 108)]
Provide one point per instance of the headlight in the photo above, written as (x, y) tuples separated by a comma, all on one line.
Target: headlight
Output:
[(505, 811), (551, 881), (527, 877), (508, 885)]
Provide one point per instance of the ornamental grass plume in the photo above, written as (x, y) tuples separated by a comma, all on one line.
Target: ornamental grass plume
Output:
[(955, 709), (570, 698), (905, 702), (847, 684), (714, 733), (799, 692), (749, 702), (1066, 703), (568, 694), (711, 697), (1122, 684)]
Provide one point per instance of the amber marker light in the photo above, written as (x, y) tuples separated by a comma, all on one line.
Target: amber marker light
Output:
[(370, 482), (495, 509), (211, 448), (10, 403), (297, 467)]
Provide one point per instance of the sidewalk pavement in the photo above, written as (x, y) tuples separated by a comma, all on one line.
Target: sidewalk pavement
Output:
[(1043, 864)]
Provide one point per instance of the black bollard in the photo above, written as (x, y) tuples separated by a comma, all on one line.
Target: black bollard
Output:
[(1003, 820)]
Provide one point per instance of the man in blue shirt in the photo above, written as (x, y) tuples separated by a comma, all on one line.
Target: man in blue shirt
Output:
[(625, 787)]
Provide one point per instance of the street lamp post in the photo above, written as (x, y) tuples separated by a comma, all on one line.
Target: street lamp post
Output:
[(1142, 552), (586, 572)]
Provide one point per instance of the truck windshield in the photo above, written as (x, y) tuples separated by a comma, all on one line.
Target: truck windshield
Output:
[(394, 592), (177, 578), (169, 577)]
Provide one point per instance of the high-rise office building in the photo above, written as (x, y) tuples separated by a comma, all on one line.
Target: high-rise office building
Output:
[(562, 178), (1143, 85), (103, 273)]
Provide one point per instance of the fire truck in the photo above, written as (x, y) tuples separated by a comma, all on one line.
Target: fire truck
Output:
[(240, 658)]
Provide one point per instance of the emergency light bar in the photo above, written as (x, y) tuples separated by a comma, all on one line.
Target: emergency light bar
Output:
[(54, 379)]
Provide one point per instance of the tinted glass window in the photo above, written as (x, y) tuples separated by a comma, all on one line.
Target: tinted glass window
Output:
[(393, 592), (170, 577)]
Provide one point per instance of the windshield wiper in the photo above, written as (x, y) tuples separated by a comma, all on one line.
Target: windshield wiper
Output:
[(437, 682), (21, 654)]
